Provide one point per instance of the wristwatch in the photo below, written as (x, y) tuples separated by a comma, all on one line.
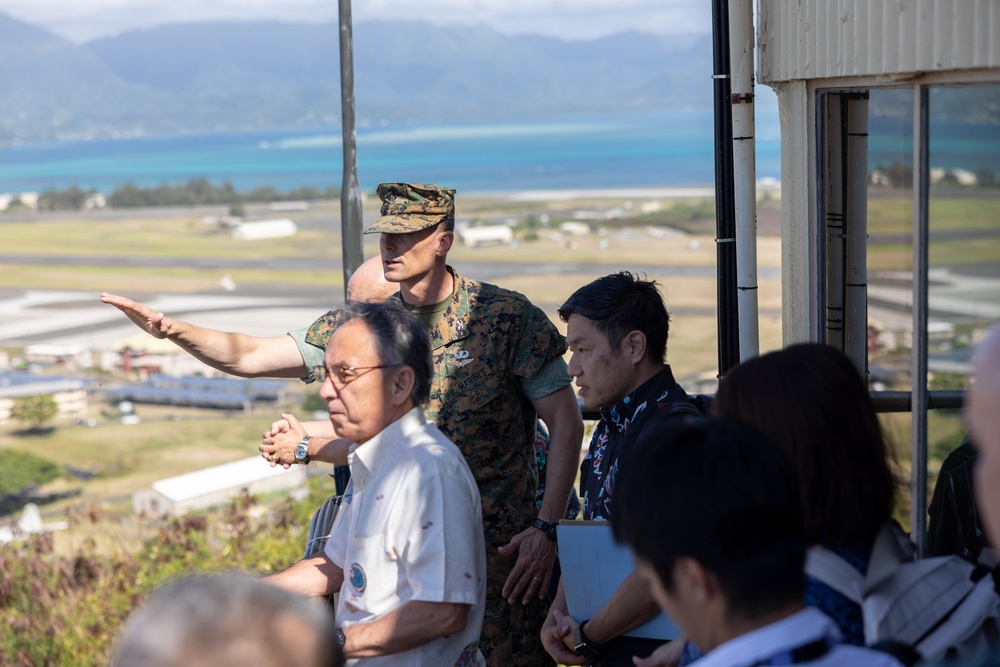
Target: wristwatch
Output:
[(548, 528), (341, 638), (582, 644), (302, 450)]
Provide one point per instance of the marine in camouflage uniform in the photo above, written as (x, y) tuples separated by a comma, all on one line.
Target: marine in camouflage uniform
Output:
[(487, 340)]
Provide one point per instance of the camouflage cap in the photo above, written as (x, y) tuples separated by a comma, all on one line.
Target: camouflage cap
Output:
[(409, 208)]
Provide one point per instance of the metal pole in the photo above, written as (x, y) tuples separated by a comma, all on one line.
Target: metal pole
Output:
[(856, 228), (744, 172), (725, 218), (918, 437), (350, 192)]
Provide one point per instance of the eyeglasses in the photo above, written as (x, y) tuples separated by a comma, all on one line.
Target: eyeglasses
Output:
[(341, 376)]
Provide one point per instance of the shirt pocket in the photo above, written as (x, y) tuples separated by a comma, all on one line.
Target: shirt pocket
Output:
[(370, 576)]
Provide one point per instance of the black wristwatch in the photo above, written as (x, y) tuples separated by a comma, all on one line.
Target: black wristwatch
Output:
[(302, 450), (548, 528), (583, 645), (341, 638)]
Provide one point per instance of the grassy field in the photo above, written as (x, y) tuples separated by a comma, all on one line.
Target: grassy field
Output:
[(182, 233), (127, 458), (124, 458), (957, 224)]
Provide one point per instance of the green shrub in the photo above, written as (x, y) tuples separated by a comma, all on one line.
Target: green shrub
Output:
[(58, 609), (24, 471)]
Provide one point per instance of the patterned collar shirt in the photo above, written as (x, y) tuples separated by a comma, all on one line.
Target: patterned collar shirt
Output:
[(619, 426)]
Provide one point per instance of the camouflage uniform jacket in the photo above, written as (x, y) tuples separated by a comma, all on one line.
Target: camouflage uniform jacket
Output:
[(487, 339), (619, 425)]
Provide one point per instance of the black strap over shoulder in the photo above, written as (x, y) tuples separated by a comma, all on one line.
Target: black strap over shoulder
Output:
[(698, 405)]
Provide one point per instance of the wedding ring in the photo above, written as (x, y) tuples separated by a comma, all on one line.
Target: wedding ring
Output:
[(274, 457), (537, 578)]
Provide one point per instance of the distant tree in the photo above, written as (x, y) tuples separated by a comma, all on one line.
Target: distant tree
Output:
[(986, 178), (30, 471), (898, 174), (313, 403), (126, 196), (71, 199), (36, 411), (201, 192)]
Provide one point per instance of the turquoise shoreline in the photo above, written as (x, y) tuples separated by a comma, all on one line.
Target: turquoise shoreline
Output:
[(622, 151)]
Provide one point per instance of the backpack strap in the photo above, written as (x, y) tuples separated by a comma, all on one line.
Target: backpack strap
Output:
[(827, 567), (695, 405)]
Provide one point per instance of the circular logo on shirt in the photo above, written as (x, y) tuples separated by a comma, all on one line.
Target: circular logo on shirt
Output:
[(358, 579)]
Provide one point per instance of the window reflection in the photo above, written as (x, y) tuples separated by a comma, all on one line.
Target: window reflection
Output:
[(890, 239), (964, 249)]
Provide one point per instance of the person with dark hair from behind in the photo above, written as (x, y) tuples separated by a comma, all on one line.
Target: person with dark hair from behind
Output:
[(722, 547), (616, 328), (811, 400), (227, 620)]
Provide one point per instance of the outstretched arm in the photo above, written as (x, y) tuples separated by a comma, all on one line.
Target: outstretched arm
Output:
[(535, 551), (233, 353)]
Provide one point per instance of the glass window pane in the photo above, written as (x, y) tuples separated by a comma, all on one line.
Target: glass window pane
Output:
[(890, 238), (964, 226), (964, 248)]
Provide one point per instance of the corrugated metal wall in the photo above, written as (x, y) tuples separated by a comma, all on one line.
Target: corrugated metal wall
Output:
[(816, 39)]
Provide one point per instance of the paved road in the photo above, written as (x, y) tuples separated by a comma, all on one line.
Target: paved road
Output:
[(72, 317), (480, 269)]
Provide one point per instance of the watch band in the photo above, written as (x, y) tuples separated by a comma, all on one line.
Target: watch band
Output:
[(302, 450), (548, 528), (583, 645)]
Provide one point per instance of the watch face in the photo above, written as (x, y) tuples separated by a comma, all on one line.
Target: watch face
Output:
[(301, 452), (587, 651)]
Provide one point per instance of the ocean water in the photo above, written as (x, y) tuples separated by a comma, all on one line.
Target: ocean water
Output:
[(620, 151)]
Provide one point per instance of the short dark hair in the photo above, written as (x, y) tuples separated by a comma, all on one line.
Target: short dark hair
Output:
[(620, 303), (400, 340), (811, 400), (722, 494)]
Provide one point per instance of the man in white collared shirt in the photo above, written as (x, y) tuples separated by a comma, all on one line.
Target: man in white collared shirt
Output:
[(407, 554), (722, 547)]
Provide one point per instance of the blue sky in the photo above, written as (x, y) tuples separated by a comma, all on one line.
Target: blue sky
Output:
[(83, 20)]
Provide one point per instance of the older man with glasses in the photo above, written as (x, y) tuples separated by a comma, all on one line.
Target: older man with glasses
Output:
[(407, 554)]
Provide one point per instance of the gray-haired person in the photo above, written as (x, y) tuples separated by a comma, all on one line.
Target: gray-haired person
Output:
[(227, 620), (407, 553)]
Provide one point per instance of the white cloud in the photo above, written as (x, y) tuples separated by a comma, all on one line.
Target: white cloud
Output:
[(569, 19)]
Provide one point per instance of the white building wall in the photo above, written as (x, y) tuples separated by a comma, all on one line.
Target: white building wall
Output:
[(807, 45), (820, 39), (154, 502), (71, 402)]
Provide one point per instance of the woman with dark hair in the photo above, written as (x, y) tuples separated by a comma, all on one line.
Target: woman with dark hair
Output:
[(811, 400)]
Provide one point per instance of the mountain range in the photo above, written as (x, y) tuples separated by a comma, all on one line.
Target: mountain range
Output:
[(201, 77)]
